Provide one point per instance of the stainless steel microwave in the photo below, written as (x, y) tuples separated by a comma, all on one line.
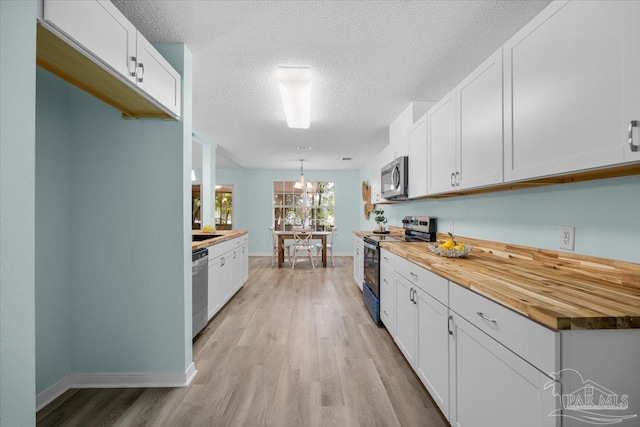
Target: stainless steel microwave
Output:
[(394, 179)]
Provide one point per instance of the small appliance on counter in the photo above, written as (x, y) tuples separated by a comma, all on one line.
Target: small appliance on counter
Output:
[(419, 228)]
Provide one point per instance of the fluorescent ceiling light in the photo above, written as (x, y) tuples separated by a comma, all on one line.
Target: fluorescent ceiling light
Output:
[(296, 95)]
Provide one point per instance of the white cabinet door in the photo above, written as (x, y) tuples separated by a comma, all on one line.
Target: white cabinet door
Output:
[(100, 28), (479, 149), (418, 158), (492, 386), (387, 296), (358, 260), (564, 89), (401, 146), (441, 143), (405, 323), (215, 295), (632, 76), (245, 262), (156, 76), (432, 354)]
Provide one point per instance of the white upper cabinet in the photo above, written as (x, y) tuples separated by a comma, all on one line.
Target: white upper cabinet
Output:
[(632, 77), (88, 23), (479, 140), (106, 35), (567, 74), (441, 145), (156, 76), (465, 132), (418, 158)]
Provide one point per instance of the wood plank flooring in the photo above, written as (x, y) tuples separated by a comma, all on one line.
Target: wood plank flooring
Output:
[(292, 348)]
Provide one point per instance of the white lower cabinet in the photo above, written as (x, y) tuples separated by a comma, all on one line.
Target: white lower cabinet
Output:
[(492, 386), (431, 361), (387, 291), (228, 270), (358, 260), (406, 315)]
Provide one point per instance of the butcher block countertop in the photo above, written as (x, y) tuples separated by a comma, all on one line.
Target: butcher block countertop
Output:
[(562, 291), (222, 236)]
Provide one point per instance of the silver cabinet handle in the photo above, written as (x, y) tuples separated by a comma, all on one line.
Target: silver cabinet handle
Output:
[(457, 179), (452, 176), (141, 77), (411, 294), (135, 66), (221, 261), (488, 319), (385, 258), (414, 275), (234, 254), (385, 281), (632, 124), (449, 325)]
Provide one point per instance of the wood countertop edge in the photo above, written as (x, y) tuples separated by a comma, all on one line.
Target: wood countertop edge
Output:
[(486, 271), (223, 236)]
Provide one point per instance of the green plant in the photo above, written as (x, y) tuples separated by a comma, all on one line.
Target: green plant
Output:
[(380, 218)]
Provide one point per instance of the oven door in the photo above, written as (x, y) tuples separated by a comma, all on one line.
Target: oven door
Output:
[(371, 267)]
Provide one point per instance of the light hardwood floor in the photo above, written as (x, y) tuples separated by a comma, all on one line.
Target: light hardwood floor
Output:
[(292, 348)]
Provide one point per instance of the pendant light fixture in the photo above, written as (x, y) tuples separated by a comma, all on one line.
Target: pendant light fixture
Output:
[(302, 183)]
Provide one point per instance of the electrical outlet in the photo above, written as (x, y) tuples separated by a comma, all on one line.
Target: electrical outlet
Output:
[(567, 238), (451, 226)]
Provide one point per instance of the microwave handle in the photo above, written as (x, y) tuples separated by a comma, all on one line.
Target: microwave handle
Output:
[(395, 177)]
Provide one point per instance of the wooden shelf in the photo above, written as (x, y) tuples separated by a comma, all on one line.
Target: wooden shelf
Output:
[(62, 59)]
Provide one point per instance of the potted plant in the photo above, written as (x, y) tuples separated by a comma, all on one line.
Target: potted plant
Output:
[(381, 220)]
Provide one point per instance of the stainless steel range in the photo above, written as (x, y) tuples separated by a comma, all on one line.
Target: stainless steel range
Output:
[(416, 229)]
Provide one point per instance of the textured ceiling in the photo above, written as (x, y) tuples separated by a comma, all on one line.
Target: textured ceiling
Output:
[(368, 60)]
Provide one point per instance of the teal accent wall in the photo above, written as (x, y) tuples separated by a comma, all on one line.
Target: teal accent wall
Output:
[(605, 214), (253, 203), (17, 212), (53, 230)]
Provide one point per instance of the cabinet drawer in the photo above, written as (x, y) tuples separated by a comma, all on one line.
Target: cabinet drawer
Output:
[(387, 259), (534, 343), (434, 285)]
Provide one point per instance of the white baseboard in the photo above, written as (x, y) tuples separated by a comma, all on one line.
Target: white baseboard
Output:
[(116, 380), (52, 393)]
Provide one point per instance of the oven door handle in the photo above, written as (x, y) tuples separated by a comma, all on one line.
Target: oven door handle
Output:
[(370, 246)]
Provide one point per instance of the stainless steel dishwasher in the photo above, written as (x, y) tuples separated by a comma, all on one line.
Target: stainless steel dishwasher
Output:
[(199, 289)]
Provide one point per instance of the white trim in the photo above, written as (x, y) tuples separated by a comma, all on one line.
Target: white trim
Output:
[(52, 393), (116, 380)]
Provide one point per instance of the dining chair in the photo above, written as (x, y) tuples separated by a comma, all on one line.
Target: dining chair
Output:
[(274, 245), (329, 246), (302, 243)]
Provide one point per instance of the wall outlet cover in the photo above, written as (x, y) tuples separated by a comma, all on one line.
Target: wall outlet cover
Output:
[(567, 235)]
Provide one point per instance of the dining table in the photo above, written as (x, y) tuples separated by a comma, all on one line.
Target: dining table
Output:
[(315, 235)]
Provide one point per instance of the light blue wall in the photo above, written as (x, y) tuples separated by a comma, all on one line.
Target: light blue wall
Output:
[(113, 266), (605, 214), (182, 60), (17, 212), (129, 251), (253, 203), (53, 230)]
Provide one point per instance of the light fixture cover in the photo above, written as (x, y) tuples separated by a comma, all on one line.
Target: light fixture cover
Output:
[(296, 95)]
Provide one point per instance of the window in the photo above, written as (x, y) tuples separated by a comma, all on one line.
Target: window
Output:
[(224, 207), (314, 207)]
